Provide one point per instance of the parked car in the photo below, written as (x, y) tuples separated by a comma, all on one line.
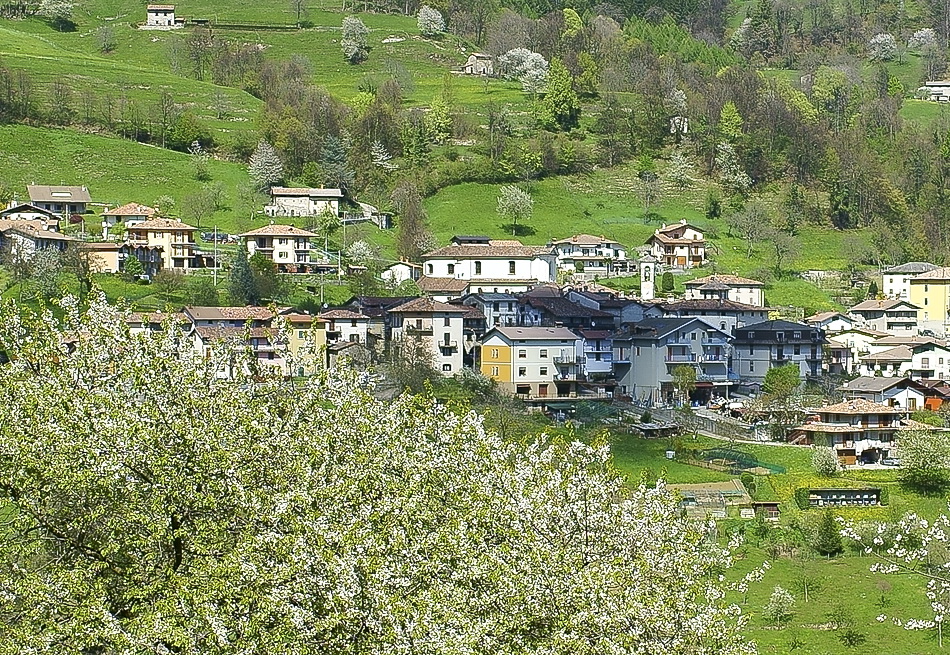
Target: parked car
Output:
[(891, 461)]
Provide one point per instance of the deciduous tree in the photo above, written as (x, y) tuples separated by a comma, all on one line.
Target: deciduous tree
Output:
[(265, 167), (430, 21), (514, 205), (354, 41)]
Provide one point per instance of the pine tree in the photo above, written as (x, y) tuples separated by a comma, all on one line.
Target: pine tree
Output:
[(264, 166), (242, 286), (828, 538)]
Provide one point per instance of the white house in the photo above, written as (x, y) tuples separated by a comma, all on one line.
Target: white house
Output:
[(897, 278), (584, 253), (937, 90), (893, 392), (160, 17), (27, 212), (303, 201), (401, 272), (831, 322), (286, 245), (680, 245), (891, 315), (345, 325), (437, 325), (127, 215), (22, 239), (487, 263), (60, 200), (726, 287), (920, 361)]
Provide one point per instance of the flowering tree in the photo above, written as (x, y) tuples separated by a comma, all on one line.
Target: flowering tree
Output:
[(921, 39), (925, 460), (354, 40), (779, 608), (732, 177), (157, 507), (529, 68), (882, 47), (825, 461), (264, 166), (430, 21), (514, 205)]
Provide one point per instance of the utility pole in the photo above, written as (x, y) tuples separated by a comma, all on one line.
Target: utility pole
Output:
[(215, 270)]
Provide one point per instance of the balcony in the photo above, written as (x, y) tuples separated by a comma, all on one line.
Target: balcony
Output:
[(449, 345), (714, 357), (603, 366), (781, 359), (566, 359), (715, 341), (679, 341), (605, 348), (681, 358), (418, 331)]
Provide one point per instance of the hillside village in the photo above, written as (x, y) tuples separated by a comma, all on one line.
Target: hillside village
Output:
[(685, 258)]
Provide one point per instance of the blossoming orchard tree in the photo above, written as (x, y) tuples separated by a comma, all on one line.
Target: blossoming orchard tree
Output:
[(151, 506)]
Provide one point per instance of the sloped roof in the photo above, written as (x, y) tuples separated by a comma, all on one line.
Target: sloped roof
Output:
[(898, 354), (912, 267), (884, 305), (494, 248), (824, 316), (228, 313), (131, 209), (708, 304), (28, 208), (426, 305), (859, 406), (162, 224), (47, 193), (908, 340), (564, 308), (585, 240), (535, 333), (664, 326), (437, 284), (280, 231), (942, 273), (729, 280), (873, 384), (33, 229), (343, 314), (306, 191)]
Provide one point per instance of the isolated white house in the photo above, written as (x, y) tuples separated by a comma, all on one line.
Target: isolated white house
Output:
[(303, 201), (160, 16)]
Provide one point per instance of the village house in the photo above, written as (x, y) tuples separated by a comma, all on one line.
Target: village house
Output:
[(761, 346), (490, 263), (545, 306), (858, 341), (61, 200), (598, 355), (126, 215), (647, 353), (930, 292), (445, 289), (141, 322), (303, 201), (160, 17), (479, 63), (534, 363), (226, 343), (497, 308), (726, 287), (680, 245), (26, 212), (727, 315), (858, 429), (897, 278), (21, 240), (436, 325), (110, 256), (346, 325), (891, 315), (176, 239), (893, 392), (238, 317), (624, 310), (589, 255), (831, 322), (839, 360), (306, 341), (917, 358), (401, 272), (289, 247)]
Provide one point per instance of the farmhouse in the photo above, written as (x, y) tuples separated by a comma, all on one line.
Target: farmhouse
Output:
[(22, 239), (478, 63), (303, 201), (488, 263), (726, 287), (161, 17)]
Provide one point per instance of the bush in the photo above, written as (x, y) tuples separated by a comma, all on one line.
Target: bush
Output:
[(825, 461), (801, 497), (646, 417)]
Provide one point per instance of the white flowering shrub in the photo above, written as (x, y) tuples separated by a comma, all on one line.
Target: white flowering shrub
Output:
[(779, 608), (731, 175), (430, 21), (149, 501), (354, 40), (529, 68), (825, 461), (921, 39), (882, 47)]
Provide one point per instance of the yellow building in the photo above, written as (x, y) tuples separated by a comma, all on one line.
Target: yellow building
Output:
[(533, 362), (176, 239), (931, 293), (302, 329)]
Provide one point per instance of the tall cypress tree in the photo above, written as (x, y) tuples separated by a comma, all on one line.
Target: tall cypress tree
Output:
[(242, 285)]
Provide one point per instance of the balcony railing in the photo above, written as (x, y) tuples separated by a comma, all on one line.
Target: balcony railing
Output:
[(566, 359), (715, 341), (681, 358), (421, 331), (449, 345), (714, 357)]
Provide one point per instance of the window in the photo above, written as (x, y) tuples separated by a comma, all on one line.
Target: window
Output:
[(544, 353), (353, 322), (638, 351), (355, 338), (925, 362), (478, 268), (796, 335), (511, 268), (751, 367), (494, 370), (780, 336), (940, 361), (447, 322), (496, 307), (751, 349), (282, 242), (925, 301), (446, 368), (798, 349), (429, 269), (522, 354), (694, 336), (418, 323), (544, 370), (522, 371), (451, 269), (494, 353)]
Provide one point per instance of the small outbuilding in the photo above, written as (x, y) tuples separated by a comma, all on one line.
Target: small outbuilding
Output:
[(479, 63)]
